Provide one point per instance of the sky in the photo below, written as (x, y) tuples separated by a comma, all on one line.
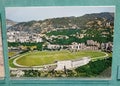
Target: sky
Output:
[(24, 14)]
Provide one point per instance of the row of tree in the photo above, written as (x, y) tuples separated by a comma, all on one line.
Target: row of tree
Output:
[(28, 45)]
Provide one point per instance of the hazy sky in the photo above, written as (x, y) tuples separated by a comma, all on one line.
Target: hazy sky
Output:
[(20, 14)]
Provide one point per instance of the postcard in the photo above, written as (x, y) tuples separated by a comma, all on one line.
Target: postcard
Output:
[(60, 41)]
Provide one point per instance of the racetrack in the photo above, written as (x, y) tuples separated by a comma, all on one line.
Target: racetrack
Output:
[(39, 58)]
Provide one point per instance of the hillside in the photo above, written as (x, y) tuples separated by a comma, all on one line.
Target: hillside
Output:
[(10, 22), (95, 20)]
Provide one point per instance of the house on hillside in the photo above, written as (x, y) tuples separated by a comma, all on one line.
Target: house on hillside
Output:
[(107, 46), (77, 46)]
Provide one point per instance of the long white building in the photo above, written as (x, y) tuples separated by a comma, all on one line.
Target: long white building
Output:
[(70, 64)]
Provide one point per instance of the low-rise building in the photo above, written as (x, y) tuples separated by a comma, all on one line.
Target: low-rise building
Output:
[(53, 46), (77, 46)]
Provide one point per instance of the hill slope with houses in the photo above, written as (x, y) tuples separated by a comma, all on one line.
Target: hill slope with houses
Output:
[(88, 31)]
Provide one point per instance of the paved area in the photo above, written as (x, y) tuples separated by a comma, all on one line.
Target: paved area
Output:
[(1, 71)]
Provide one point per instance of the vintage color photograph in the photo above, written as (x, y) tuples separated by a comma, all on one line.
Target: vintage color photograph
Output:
[(60, 41), (1, 55)]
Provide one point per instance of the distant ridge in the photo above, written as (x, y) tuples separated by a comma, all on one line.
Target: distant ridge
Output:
[(94, 20)]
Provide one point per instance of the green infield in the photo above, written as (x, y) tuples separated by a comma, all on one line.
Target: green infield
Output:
[(38, 58)]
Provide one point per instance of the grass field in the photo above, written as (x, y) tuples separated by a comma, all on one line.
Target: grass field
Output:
[(10, 54), (11, 63), (38, 58)]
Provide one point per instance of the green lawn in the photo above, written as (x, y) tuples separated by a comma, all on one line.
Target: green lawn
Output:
[(10, 54), (48, 57)]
